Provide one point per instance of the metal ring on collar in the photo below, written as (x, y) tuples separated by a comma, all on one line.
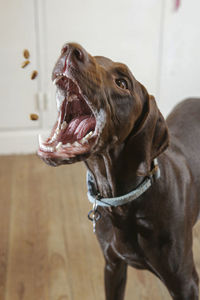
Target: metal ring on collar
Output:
[(94, 215)]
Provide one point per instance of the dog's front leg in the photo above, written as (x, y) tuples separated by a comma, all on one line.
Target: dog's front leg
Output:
[(115, 279)]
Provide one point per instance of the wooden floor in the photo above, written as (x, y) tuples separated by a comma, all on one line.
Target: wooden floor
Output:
[(47, 248)]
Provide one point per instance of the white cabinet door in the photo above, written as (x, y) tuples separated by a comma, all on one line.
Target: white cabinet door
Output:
[(127, 31), (18, 92), (180, 76)]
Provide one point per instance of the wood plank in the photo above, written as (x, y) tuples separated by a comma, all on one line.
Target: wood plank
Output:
[(48, 250), (6, 177), (28, 234)]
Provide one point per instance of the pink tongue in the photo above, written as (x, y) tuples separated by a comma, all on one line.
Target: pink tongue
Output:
[(78, 128)]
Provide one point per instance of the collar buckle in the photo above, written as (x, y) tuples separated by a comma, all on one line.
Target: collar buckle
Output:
[(151, 178)]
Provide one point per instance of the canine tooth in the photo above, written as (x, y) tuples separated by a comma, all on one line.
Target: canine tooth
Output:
[(54, 137), (58, 131), (40, 140), (59, 146), (64, 125), (88, 135)]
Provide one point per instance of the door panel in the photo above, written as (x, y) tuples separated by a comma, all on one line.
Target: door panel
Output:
[(18, 93), (181, 54)]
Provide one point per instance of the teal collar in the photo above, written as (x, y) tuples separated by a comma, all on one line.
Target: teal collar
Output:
[(97, 200)]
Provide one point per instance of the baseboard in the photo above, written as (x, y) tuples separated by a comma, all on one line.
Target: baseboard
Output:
[(20, 142)]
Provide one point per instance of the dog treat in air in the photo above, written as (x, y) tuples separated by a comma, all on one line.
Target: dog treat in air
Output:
[(34, 74), (34, 117), (25, 63), (26, 54)]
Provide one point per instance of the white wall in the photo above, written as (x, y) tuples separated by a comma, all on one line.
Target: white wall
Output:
[(159, 44), (180, 70)]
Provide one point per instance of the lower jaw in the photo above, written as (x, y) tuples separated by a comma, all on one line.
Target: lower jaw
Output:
[(54, 159), (66, 155)]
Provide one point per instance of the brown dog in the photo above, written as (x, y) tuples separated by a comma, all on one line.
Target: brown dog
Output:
[(108, 119)]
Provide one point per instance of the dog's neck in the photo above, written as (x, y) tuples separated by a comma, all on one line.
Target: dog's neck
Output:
[(113, 173)]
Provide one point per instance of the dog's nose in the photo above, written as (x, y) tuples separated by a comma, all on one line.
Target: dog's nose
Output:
[(73, 53), (73, 57)]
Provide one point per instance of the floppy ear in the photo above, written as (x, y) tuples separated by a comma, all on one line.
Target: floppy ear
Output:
[(149, 137)]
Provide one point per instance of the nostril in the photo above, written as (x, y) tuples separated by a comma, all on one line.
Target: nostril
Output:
[(78, 54), (64, 49)]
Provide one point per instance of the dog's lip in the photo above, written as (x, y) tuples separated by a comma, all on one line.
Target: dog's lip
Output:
[(57, 78)]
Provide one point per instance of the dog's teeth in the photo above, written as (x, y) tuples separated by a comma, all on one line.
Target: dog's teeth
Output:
[(76, 144), (41, 141), (50, 149), (72, 98), (60, 97), (88, 135), (83, 141), (54, 137), (58, 131), (59, 146), (64, 125), (47, 148), (67, 145)]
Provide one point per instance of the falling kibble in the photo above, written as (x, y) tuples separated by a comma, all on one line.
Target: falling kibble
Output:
[(34, 74), (34, 117), (25, 63), (26, 54)]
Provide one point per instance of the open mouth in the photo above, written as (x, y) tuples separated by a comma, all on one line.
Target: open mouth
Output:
[(75, 131)]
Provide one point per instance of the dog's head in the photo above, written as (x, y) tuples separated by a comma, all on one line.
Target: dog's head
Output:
[(100, 104)]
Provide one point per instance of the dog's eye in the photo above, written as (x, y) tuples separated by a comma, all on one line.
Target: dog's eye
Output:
[(122, 83)]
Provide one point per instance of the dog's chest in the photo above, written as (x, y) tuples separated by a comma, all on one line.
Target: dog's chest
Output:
[(124, 240), (128, 251)]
